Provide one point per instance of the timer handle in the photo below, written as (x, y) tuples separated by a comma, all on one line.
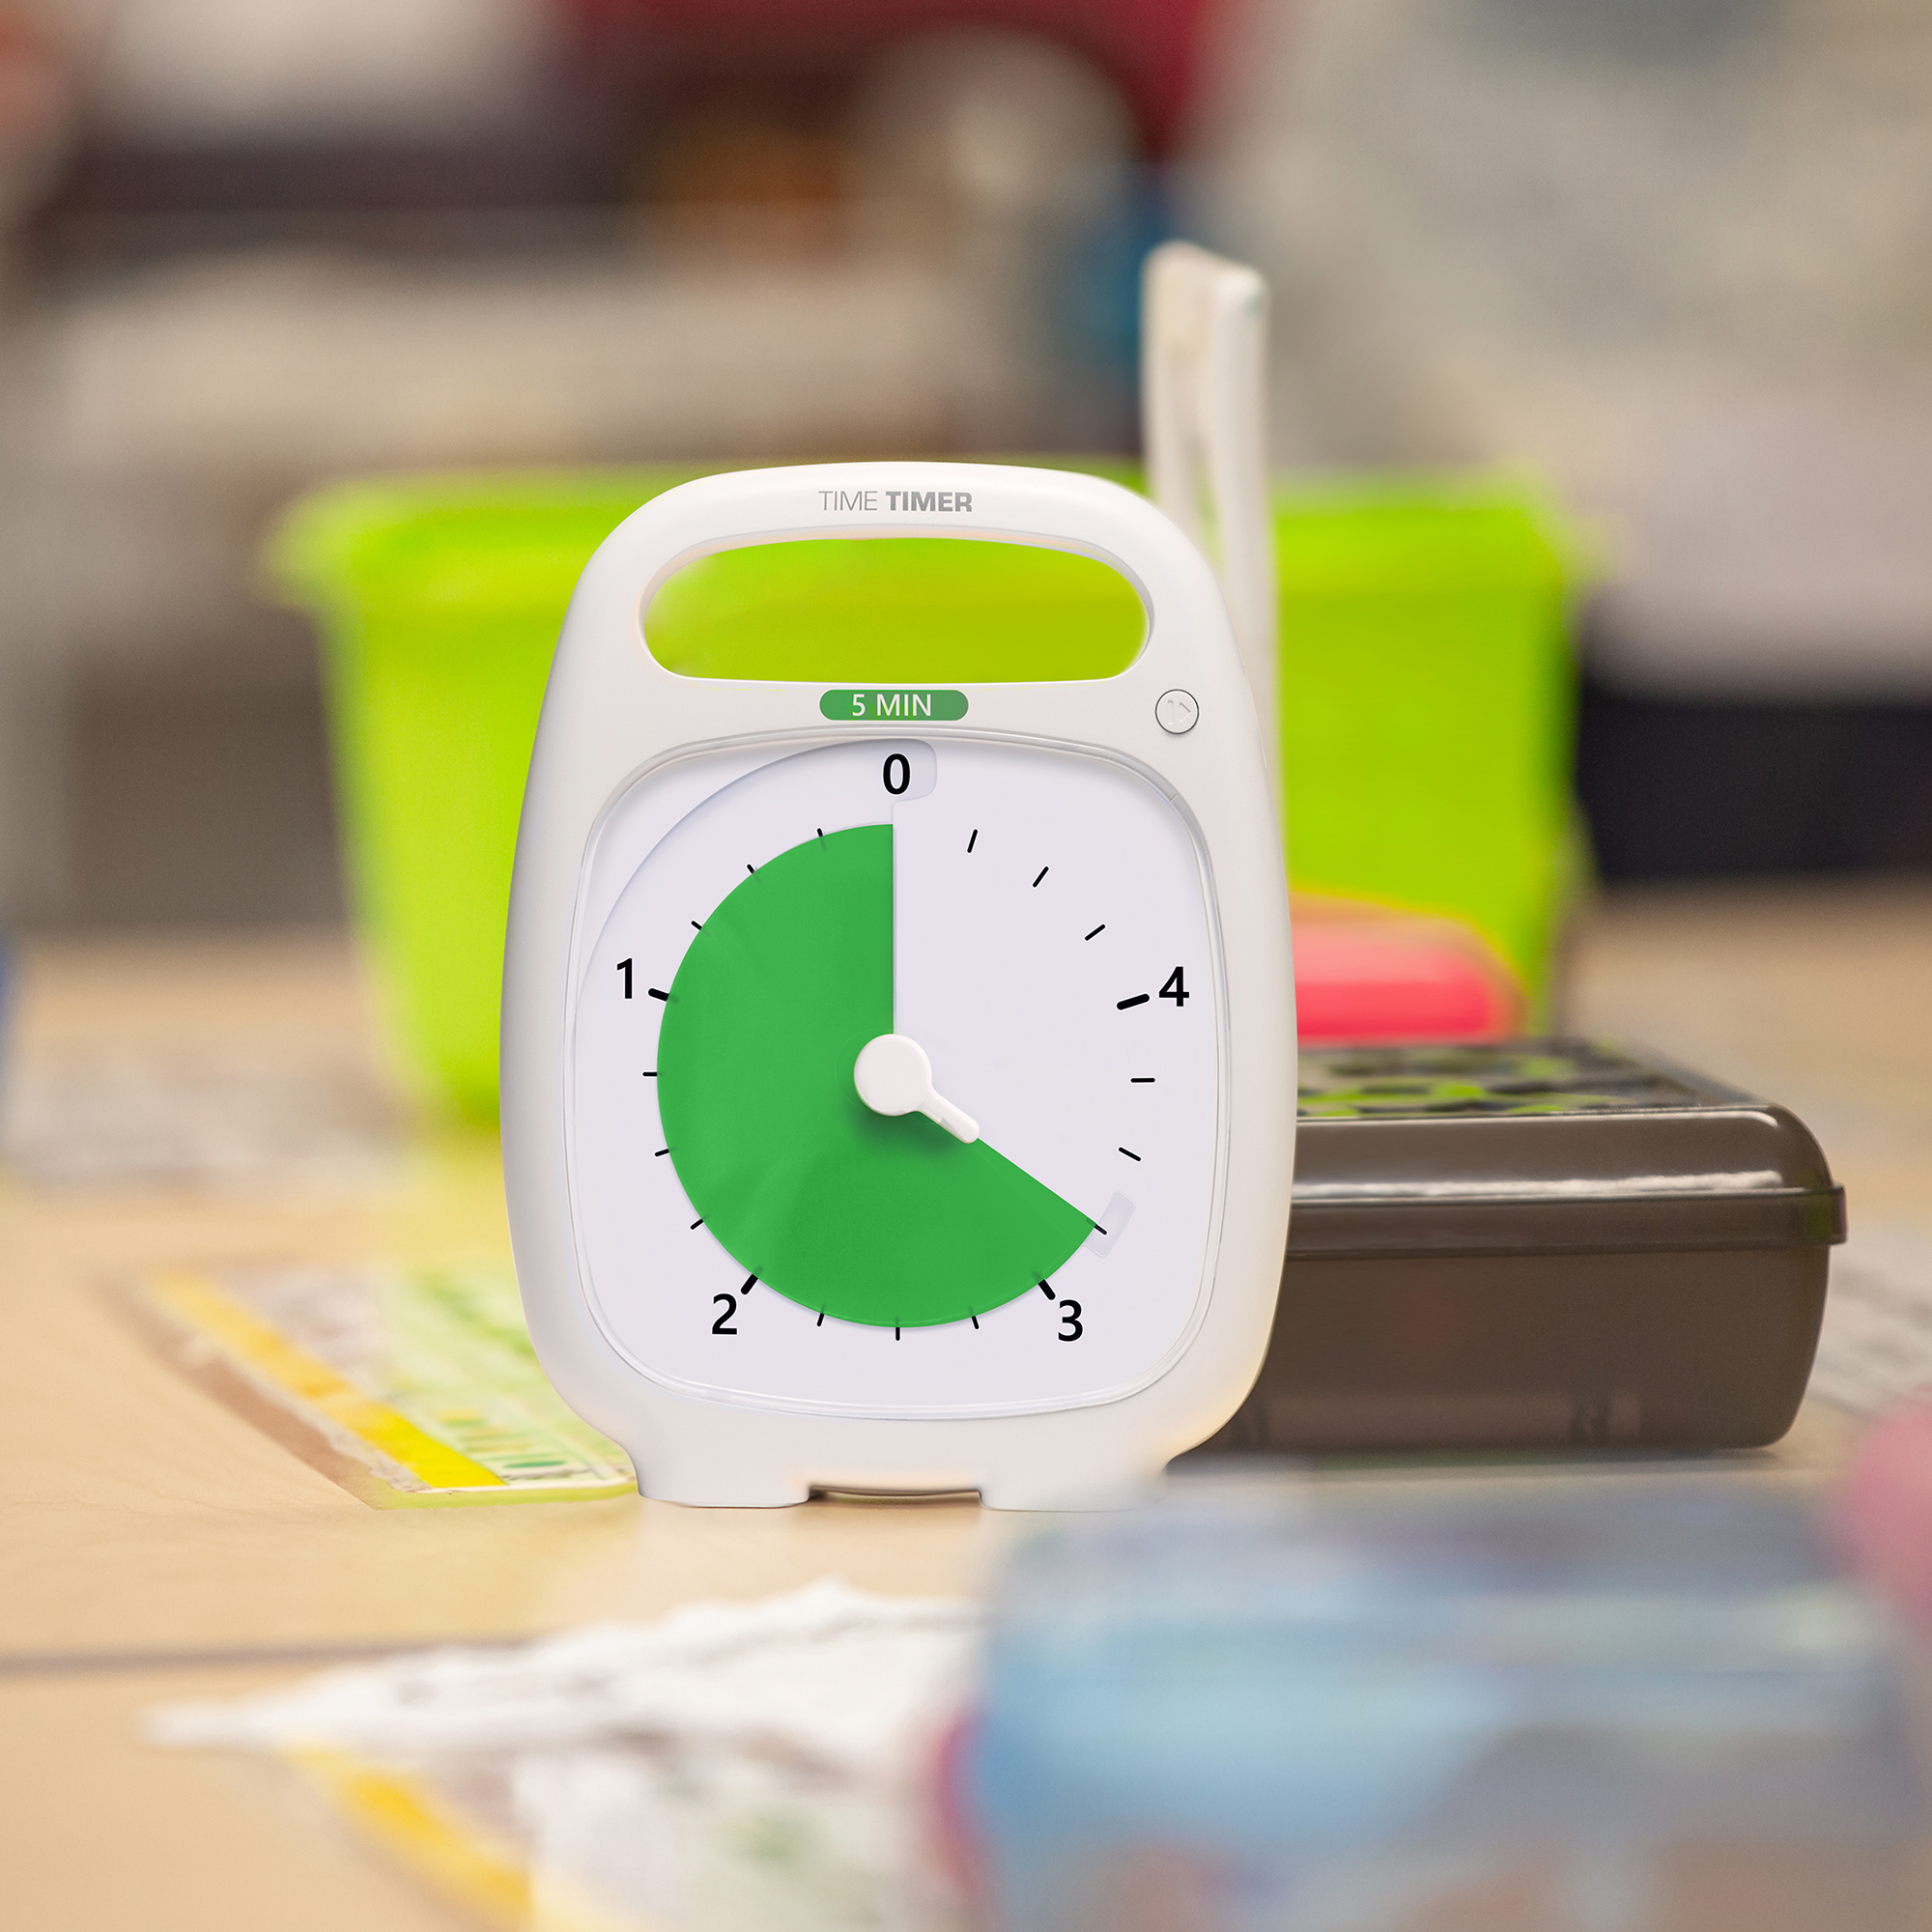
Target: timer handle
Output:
[(989, 503)]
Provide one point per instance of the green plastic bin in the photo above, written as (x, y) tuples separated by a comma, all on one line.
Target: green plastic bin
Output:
[(1425, 712), (1427, 703)]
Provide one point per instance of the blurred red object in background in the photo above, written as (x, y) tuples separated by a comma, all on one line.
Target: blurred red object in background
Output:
[(1370, 977), (1153, 50)]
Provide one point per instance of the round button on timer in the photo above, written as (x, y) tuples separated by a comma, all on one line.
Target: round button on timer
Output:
[(1176, 712)]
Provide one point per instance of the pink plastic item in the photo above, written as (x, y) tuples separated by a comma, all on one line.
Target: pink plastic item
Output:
[(1373, 978), (1883, 1516)]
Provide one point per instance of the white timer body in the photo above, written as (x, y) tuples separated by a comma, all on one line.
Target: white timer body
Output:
[(1068, 911)]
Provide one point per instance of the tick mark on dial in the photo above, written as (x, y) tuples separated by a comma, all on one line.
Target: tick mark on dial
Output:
[(1140, 1080), (821, 832), (750, 868), (695, 928), (1046, 1288), (658, 993), (1097, 1229), (895, 1334), (974, 1320), (1097, 931), (820, 1322), (1138, 1000), (699, 1222), (974, 841), (750, 1282), (661, 1152), (650, 1074), (1130, 1153), (1043, 871)]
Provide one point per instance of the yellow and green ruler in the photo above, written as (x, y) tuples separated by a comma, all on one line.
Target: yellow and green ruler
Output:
[(411, 1387)]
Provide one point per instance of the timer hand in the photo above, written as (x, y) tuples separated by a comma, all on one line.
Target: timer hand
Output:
[(893, 1076)]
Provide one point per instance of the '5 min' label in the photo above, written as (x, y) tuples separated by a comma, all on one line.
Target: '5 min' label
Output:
[(871, 708)]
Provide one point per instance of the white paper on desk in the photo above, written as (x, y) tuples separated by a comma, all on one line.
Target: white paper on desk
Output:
[(1875, 1347), (729, 1768), (133, 1117)]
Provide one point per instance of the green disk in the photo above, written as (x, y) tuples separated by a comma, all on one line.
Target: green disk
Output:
[(869, 1218)]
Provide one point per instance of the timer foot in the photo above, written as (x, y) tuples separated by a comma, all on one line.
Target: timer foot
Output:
[(1032, 1489), (703, 1484)]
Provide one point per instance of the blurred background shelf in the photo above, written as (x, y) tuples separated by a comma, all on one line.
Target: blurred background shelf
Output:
[(1666, 259)]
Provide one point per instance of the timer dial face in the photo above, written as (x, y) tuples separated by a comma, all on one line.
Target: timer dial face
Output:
[(1015, 1212)]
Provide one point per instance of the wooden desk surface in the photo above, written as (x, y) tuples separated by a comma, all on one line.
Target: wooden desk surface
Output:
[(147, 1517), (151, 1542)]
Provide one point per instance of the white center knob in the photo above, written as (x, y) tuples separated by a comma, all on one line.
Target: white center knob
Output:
[(893, 1076)]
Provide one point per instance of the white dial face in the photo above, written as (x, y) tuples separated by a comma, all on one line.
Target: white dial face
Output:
[(894, 1078)]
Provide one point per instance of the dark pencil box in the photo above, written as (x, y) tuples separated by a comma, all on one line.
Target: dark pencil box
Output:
[(1541, 1244)]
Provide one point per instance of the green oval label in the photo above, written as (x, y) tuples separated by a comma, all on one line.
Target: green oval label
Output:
[(892, 707)]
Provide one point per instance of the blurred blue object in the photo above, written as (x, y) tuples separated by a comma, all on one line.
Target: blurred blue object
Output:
[(1260, 1711)]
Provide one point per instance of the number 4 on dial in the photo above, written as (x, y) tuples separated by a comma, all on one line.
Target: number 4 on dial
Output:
[(1176, 988)]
